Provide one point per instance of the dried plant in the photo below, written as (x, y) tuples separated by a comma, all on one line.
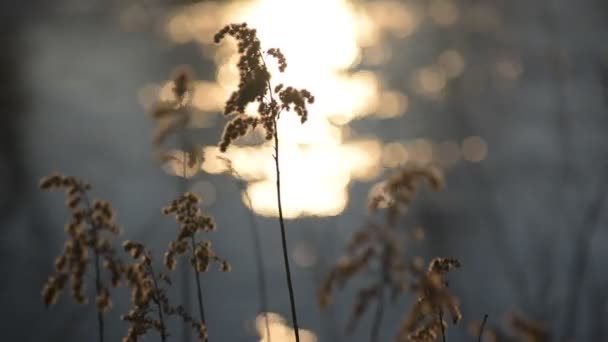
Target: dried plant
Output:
[(88, 223), (191, 221), (529, 330), (519, 328), (395, 194), (376, 250), (148, 293), (151, 306), (255, 88), (145, 293), (174, 114), (425, 321)]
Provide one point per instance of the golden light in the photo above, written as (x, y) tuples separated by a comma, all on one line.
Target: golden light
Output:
[(443, 12), (421, 151), (430, 81), (452, 63), (279, 330), (509, 68), (304, 254), (323, 40), (446, 153), (394, 154), (206, 190), (474, 149)]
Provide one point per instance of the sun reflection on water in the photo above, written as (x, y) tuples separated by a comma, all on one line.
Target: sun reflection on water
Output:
[(324, 41)]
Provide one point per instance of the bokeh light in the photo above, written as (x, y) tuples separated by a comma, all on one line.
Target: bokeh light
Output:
[(318, 161), (279, 330), (474, 149)]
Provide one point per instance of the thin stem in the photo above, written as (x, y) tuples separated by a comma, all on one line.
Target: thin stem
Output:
[(283, 239), (377, 322), (163, 335), (257, 249), (201, 307), (292, 301), (184, 269), (483, 325), (94, 228), (441, 324), (385, 279), (98, 289), (257, 245)]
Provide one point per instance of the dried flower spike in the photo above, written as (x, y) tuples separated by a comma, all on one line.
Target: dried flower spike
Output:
[(254, 87)]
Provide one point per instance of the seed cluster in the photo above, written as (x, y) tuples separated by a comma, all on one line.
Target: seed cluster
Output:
[(376, 250), (191, 220), (144, 293), (88, 222), (397, 192), (150, 303), (528, 329), (254, 87), (424, 322), (174, 114), (148, 292)]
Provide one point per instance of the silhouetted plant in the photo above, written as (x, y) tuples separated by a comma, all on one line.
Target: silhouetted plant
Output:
[(147, 292), (88, 222), (255, 88), (518, 328), (376, 250), (192, 221)]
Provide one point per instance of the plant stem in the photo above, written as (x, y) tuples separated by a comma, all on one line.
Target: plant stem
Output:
[(201, 307), (441, 323), (385, 279), (257, 249), (94, 228), (156, 298), (183, 267), (98, 289), (483, 325), (283, 239), (377, 322)]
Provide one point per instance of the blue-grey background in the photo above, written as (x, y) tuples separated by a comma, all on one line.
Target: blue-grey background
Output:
[(528, 222)]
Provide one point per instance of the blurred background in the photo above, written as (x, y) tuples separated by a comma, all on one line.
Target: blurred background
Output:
[(509, 97)]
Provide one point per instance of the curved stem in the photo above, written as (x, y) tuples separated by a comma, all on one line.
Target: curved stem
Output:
[(163, 329), (201, 307), (441, 324), (377, 322), (257, 248), (94, 228), (184, 270), (98, 289), (283, 239), (483, 325)]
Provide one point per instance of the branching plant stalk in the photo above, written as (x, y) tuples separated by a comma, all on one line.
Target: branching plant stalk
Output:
[(184, 269), (292, 301), (156, 298), (100, 321), (377, 322), (98, 289), (283, 239), (199, 293)]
